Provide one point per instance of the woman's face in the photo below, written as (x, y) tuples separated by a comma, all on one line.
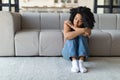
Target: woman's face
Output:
[(77, 20)]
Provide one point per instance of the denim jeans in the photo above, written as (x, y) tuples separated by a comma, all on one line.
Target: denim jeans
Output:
[(76, 47)]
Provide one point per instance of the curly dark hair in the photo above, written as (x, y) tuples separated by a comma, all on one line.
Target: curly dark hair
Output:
[(87, 16)]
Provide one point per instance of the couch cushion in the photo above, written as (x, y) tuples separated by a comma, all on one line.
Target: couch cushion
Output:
[(115, 46), (26, 43), (50, 43), (107, 21), (96, 26), (50, 21), (100, 43), (118, 21), (63, 17), (30, 20)]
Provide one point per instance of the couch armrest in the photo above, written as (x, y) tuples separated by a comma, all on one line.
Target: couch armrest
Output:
[(9, 24)]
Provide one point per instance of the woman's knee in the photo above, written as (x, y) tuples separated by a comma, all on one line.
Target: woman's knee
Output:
[(83, 38)]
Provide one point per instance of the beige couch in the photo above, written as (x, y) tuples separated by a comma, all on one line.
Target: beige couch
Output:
[(40, 34)]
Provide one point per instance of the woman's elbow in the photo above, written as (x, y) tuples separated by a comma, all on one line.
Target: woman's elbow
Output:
[(66, 37)]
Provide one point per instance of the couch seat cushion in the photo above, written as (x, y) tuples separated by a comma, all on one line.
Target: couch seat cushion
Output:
[(115, 46), (26, 43), (100, 43), (50, 42)]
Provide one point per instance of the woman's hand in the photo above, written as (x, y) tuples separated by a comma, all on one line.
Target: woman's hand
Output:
[(87, 32)]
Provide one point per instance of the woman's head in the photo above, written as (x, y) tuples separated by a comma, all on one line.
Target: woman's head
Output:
[(82, 16), (77, 21)]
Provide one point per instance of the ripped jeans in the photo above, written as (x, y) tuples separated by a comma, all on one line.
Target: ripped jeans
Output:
[(76, 47)]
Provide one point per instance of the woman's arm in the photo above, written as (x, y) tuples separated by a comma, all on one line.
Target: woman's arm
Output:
[(68, 34), (87, 32)]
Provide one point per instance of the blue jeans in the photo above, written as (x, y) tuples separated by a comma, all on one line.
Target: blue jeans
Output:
[(76, 47)]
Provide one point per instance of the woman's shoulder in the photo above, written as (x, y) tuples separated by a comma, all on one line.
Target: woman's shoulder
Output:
[(66, 27)]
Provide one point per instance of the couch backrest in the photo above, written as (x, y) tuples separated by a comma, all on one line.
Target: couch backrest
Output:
[(56, 21), (30, 20), (50, 21), (107, 21), (118, 21), (63, 17), (96, 25)]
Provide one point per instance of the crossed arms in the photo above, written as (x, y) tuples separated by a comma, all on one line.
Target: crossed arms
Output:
[(68, 34)]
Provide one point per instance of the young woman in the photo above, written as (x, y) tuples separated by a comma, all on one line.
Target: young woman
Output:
[(76, 33)]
